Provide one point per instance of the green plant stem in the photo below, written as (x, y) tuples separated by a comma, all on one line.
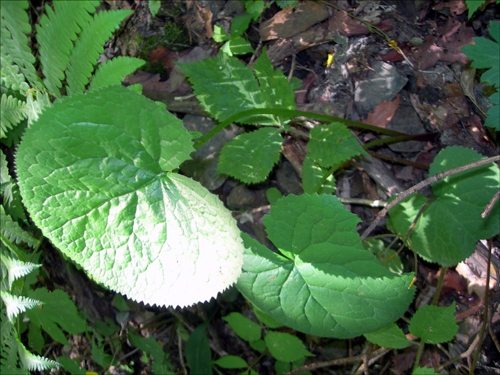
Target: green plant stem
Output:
[(290, 113), (423, 184), (399, 138), (419, 355), (439, 286), (398, 160)]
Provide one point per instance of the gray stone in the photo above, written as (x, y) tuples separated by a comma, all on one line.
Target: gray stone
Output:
[(382, 84), (406, 121)]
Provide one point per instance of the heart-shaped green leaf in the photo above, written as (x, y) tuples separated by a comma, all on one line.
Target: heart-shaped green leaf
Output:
[(93, 174), (448, 229), (325, 283)]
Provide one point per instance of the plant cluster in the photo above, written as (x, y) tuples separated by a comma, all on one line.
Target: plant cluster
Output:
[(97, 173)]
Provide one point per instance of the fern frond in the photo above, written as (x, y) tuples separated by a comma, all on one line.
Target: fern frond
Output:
[(56, 35), (36, 107), (10, 75), (13, 111), (13, 232), (113, 72), (34, 362), (10, 191), (16, 305), (9, 362), (17, 268), (15, 24), (89, 46)]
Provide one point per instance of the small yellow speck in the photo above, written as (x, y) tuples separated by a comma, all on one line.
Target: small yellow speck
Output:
[(329, 61)]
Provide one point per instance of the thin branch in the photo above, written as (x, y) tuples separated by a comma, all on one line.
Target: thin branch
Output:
[(337, 362), (423, 184)]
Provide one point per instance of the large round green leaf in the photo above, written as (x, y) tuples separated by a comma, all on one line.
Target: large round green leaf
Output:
[(325, 283), (93, 174)]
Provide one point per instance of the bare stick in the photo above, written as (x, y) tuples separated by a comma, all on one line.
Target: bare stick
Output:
[(423, 184)]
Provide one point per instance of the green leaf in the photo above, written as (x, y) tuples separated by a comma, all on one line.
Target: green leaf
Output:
[(286, 3), (265, 319), (447, 231), (114, 71), (239, 46), (35, 338), (493, 119), (286, 347), (434, 324), (240, 24), (88, 47), (225, 86), (198, 354), (312, 174), (231, 361), (148, 345), (325, 284), (106, 328), (154, 7), (258, 345), (243, 327), (94, 176), (390, 337), (333, 145), (98, 355), (473, 5), (250, 157), (71, 366), (57, 310), (276, 90), (486, 55), (255, 8), (273, 195), (219, 34)]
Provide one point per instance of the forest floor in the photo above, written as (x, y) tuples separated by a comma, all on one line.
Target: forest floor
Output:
[(368, 81)]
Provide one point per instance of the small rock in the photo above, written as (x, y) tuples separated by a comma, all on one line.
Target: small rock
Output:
[(288, 179), (243, 197), (382, 84)]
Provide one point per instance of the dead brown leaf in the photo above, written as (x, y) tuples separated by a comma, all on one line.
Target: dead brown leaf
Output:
[(382, 113)]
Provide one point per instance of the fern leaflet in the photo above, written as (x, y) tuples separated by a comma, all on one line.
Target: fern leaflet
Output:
[(13, 232), (17, 268), (16, 305), (113, 72), (10, 76), (56, 35), (13, 112), (89, 46), (15, 24), (9, 364), (34, 362)]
